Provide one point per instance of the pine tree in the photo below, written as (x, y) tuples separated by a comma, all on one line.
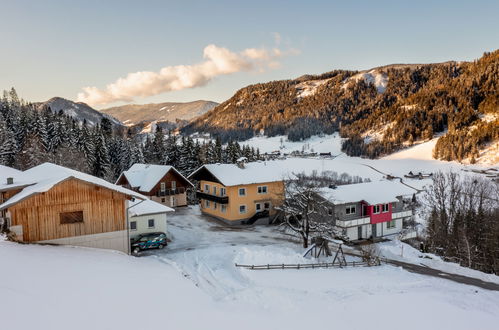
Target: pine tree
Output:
[(101, 164)]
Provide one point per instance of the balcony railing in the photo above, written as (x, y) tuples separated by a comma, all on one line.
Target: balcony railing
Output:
[(402, 214), (169, 192), (353, 223), (213, 198)]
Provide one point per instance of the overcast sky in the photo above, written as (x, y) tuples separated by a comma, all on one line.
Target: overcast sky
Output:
[(115, 52)]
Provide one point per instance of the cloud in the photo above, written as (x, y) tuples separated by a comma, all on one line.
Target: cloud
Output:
[(217, 61)]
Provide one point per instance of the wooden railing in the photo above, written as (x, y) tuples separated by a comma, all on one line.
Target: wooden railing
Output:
[(377, 262), (213, 198), (169, 192)]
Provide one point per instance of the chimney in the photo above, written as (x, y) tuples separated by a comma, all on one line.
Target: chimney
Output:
[(10, 180)]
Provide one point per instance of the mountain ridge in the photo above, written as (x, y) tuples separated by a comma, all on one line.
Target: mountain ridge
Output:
[(132, 114), (401, 103)]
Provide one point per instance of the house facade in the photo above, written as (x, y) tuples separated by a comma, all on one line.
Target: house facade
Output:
[(160, 183), (368, 210), (147, 216), (56, 205), (238, 194)]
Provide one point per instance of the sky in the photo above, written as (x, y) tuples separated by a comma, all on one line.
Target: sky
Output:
[(111, 52)]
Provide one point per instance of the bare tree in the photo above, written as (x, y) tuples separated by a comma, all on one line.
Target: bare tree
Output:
[(304, 211), (462, 213)]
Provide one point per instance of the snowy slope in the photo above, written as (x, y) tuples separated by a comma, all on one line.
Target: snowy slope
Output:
[(78, 110), (197, 287)]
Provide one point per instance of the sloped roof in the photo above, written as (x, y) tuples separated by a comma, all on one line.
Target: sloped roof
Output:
[(145, 176), (147, 206), (43, 177), (255, 172), (8, 172), (376, 192)]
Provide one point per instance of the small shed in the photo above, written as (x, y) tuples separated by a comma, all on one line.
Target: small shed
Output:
[(147, 216)]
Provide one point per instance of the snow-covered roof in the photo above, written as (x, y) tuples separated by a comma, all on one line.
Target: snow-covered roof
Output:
[(43, 177), (145, 176), (377, 192), (8, 172), (147, 206), (255, 172)]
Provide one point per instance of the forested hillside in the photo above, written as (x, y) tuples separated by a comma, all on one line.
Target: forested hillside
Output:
[(31, 135), (378, 111)]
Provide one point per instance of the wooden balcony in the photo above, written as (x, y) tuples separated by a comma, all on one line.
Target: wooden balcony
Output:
[(213, 198), (169, 192)]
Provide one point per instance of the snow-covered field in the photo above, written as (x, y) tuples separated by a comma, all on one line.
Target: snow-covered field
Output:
[(193, 284), (416, 158)]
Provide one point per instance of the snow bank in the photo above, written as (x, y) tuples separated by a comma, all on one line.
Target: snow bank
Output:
[(264, 256), (404, 252)]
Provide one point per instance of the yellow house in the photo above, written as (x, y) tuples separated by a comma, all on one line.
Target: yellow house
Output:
[(239, 194)]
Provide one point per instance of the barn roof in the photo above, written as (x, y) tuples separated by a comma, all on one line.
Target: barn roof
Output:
[(43, 177), (145, 176)]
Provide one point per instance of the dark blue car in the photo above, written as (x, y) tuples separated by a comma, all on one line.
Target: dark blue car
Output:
[(149, 241)]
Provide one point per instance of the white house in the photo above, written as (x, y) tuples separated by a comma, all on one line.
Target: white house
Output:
[(147, 216), (369, 210)]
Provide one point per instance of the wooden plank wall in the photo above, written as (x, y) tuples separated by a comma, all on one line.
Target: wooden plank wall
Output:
[(103, 211)]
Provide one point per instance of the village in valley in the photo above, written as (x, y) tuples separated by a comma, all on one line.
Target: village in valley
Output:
[(234, 229), (213, 165)]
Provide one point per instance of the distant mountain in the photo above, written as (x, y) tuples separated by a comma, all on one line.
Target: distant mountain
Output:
[(132, 114), (78, 110), (376, 111)]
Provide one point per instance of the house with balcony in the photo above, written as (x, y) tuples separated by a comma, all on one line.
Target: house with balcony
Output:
[(368, 210), (243, 193), (160, 183)]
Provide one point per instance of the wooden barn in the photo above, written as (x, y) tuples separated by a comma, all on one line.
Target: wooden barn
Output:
[(53, 204)]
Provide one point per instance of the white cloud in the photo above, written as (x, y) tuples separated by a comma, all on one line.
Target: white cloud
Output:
[(217, 61)]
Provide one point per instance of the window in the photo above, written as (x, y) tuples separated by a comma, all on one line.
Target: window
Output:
[(266, 205), (163, 186), (242, 191), (386, 208), (133, 225), (174, 185), (262, 189), (215, 191), (258, 207), (71, 217), (222, 192), (242, 209), (150, 223), (390, 224), (214, 205), (330, 211), (207, 188), (163, 200), (350, 209), (207, 204), (376, 209), (223, 208)]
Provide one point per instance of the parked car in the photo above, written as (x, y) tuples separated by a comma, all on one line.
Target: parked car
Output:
[(149, 241)]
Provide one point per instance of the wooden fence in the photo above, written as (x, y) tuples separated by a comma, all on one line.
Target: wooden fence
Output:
[(376, 262)]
